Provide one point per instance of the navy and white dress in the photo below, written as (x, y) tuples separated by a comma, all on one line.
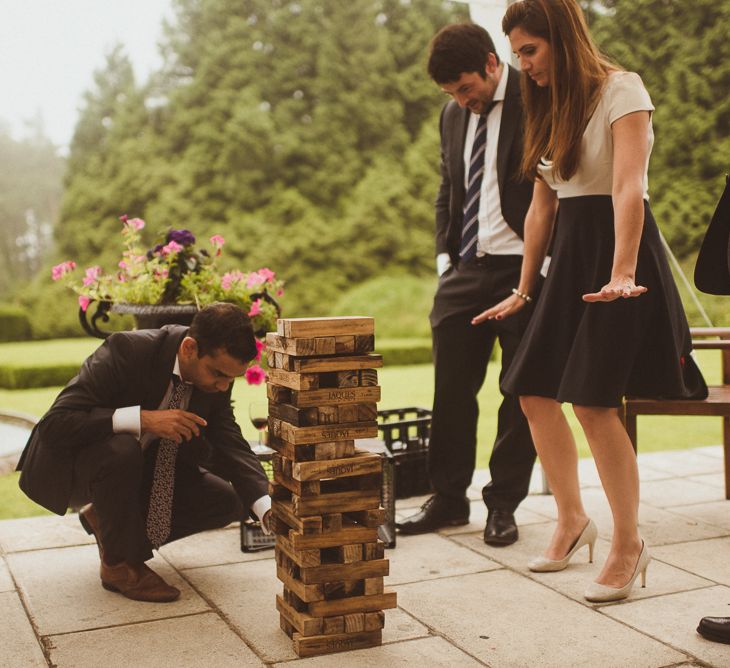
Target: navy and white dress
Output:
[(594, 354)]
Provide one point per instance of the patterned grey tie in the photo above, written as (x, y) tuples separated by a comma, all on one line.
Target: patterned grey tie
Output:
[(159, 516)]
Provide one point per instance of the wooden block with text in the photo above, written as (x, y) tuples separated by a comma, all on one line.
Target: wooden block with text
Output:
[(326, 495)]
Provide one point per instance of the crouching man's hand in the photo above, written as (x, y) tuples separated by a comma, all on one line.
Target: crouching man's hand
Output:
[(173, 424)]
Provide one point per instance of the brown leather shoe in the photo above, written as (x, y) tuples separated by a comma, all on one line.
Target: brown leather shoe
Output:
[(138, 582), (90, 521)]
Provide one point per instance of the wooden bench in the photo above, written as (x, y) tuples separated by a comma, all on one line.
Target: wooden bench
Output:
[(717, 403)]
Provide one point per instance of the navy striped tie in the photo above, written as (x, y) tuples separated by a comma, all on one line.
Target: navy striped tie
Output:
[(470, 228)]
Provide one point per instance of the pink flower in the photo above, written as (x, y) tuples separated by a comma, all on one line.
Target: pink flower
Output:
[(227, 280), (84, 302), (135, 223), (255, 308), (124, 218), (255, 375), (259, 349), (172, 247), (217, 240), (122, 264), (254, 279), (280, 292), (267, 274), (258, 277), (62, 269), (92, 275)]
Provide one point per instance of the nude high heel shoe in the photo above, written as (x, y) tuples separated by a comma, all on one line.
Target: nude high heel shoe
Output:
[(587, 537), (598, 593)]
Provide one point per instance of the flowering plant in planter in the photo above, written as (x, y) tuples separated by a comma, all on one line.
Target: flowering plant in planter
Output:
[(176, 271)]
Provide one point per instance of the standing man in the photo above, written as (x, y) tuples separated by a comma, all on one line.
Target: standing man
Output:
[(145, 436), (480, 214)]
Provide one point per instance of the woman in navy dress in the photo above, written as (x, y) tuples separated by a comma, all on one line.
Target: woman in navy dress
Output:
[(609, 322)]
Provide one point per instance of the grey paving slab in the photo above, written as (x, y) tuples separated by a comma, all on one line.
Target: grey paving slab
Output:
[(246, 594), (706, 558), (41, 533), (431, 556), (478, 519), (482, 476), (210, 548), (657, 526), (18, 643), (678, 463), (715, 451), (426, 653), (572, 582), (183, 642), (717, 513), (504, 619), (6, 582), (673, 620), (63, 591), (678, 492), (714, 479)]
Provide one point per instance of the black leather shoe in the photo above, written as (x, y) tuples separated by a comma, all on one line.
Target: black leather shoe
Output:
[(436, 513), (501, 528), (716, 629)]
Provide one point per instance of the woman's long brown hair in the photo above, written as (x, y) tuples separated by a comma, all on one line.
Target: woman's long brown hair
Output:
[(557, 115)]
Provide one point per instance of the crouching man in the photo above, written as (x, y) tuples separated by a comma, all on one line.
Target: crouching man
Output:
[(144, 438)]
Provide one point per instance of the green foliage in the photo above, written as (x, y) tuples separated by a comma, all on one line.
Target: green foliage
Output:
[(682, 53), (30, 191), (14, 323), (400, 305), (304, 132), (42, 364), (13, 503)]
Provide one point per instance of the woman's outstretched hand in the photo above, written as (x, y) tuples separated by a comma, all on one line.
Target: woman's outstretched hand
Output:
[(616, 288), (504, 309)]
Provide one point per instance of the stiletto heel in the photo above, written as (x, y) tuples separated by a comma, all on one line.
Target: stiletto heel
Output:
[(598, 593), (587, 537)]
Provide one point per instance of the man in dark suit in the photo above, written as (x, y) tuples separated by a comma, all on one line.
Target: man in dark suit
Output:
[(145, 436), (480, 213)]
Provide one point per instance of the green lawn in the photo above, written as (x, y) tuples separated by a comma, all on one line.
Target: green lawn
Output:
[(405, 386)]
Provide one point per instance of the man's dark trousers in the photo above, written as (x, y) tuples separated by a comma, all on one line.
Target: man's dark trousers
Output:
[(116, 476), (461, 355)]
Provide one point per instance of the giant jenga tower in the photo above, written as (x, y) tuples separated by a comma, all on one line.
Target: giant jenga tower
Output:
[(322, 391)]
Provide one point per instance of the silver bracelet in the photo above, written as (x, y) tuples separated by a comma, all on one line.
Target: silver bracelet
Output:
[(521, 295)]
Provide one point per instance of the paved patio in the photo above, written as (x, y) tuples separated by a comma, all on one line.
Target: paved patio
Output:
[(461, 603)]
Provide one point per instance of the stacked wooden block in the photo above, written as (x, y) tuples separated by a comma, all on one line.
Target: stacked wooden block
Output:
[(326, 495)]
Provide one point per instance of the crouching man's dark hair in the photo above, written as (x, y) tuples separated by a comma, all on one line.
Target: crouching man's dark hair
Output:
[(222, 326)]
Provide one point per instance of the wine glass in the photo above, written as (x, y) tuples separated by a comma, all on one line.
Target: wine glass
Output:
[(258, 412)]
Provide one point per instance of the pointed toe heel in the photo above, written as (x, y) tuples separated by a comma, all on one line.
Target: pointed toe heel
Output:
[(598, 593), (587, 537)]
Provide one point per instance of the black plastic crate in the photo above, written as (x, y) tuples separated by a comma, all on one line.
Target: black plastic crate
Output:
[(406, 432), (253, 538)]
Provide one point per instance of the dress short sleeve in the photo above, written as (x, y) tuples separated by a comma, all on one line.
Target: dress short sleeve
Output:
[(626, 94)]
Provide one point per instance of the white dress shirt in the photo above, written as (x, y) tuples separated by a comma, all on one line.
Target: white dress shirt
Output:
[(127, 420), (495, 236)]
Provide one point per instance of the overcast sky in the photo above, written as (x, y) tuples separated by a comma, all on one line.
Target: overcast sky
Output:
[(49, 50)]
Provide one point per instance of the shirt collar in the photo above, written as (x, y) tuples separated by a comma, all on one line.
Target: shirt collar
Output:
[(502, 85), (176, 370)]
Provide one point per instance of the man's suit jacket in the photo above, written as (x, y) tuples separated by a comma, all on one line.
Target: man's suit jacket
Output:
[(515, 194), (130, 369)]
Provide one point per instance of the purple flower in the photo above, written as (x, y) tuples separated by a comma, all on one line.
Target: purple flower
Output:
[(182, 237)]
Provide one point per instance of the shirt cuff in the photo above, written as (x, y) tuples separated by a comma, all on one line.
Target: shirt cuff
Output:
[(127, 421), (443, 262), (260, 508)]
